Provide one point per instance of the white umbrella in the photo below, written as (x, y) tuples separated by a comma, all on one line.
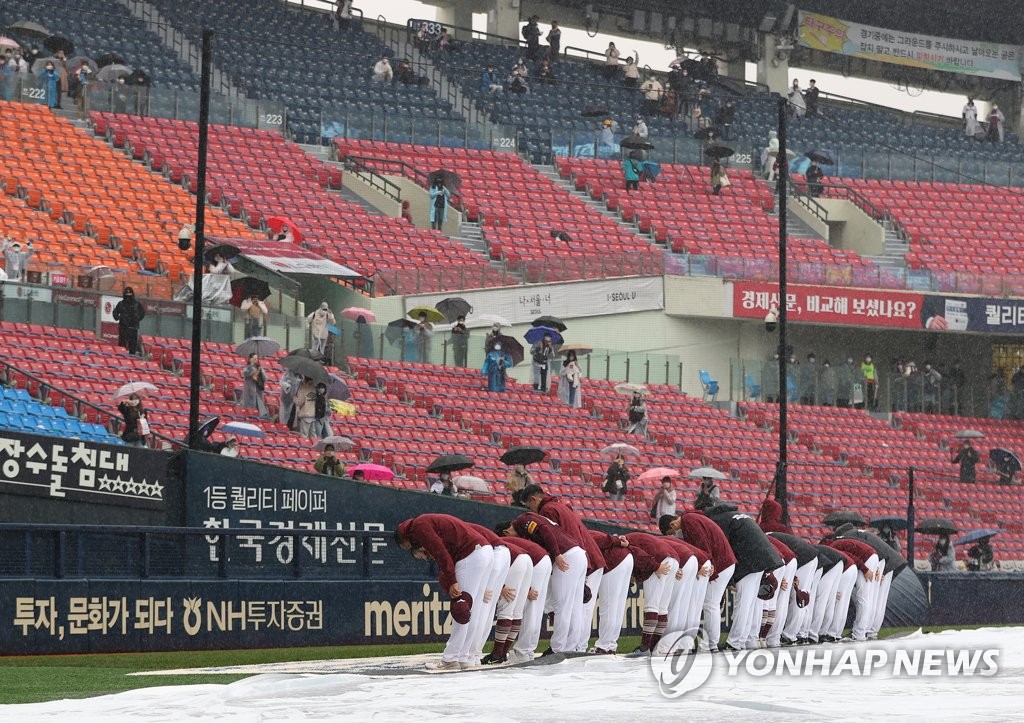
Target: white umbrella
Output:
[(110, 73), (262, 345), (969, 434), (702, 472), (140, 388), (469, 483), (489, 319), (626, 450), (341, 444), (629, 389), (243, 428)]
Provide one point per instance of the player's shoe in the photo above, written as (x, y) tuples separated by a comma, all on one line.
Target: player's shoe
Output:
[(443, 665), (547, 652), (518, 656), (787, 642), (489, 659), (601, 651), (640, 652), (468, 664)]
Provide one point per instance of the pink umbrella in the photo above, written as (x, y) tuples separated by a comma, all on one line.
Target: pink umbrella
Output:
[(276, 223), (372, 472), (353, 313), (6, 42), (657, 473)]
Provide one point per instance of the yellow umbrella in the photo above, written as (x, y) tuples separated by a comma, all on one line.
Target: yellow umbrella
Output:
[(433, 315)]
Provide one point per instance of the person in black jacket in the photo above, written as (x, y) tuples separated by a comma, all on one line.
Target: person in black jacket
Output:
[(967, 457), (755, 557), (796, 607), (129, 313), (892, 563), (618, 476)]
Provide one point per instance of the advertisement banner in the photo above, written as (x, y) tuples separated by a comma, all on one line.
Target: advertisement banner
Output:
[(825, 305), (288, 258), (82, 471), (991, 316), (969, 57), (523, 304)]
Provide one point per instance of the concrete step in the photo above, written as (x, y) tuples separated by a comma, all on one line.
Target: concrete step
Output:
[(352, 197)]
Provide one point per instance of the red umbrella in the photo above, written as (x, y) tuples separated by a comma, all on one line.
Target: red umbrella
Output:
[(276, 223)]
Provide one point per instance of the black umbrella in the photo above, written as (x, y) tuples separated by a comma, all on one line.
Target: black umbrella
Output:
[(523, 455), (976, 535), (450, 463), (59, 42), (1004, 460), (894, 523), (110, 59), (841, 517), (636, 143), (306, 354), (513, 347), (552, 321), (936, 526), (393, 331), (453, 307), (706, 134), (228, 251), (306, 367), (248, 287), (338, 389), (450, 179), (820, 157), (29, 29), (207, 427), (718, 151), (595, 111)]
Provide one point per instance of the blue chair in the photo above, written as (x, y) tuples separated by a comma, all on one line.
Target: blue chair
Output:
[(752, 387), (709, 385)]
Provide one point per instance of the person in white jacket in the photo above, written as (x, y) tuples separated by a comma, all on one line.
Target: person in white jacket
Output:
[(318, 322)]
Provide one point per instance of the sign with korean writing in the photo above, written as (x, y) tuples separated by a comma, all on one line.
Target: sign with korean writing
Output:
[(829, 305), (969, 57), (82, 471), (992, 316), (523, 304)]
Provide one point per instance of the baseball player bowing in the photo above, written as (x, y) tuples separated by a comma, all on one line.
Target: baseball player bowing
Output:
[(618, 569)]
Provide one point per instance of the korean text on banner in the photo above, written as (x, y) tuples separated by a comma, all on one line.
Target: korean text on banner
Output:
[(825, 305)]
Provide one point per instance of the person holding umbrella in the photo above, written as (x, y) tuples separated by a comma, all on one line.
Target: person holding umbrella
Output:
[(318, 322), (708, 495), (256, 314), (328, 464), (814, 178), (254, 380), (980, 557), (305, 408), (516, 481), (364, 338), (542, 354), (631, 171), (496, 366), (460, 341), (136, 426), (636, 412), (967, 458), (943, 555), (718, 177), (439, 196), (570, 380), (423, 332), (664, 502), (616, 479)]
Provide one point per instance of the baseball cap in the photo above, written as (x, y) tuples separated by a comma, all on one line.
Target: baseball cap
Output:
[(769, 583), (802, 598), (461, 607)]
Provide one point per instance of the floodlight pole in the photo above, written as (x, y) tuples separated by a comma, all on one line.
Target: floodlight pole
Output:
[(199, 239), (781, 487)]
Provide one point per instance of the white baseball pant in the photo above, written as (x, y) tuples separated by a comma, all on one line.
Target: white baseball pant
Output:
[(698, 593), (471, 574), (824, 599), (566, 594), (593, 581), (679, 607), (713, 608), (612, 605), (782, 603), (864, 598), (743, 605), (881, 602), (480, 626), (533, 614), (844, 596)]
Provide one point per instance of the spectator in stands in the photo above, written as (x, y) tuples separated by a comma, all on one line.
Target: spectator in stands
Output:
[(382, 71), (18, 63), (807, 380), (943, 555), (611, 61), (230, 447), (32, 55), (422, 40), (290, 381), (640, 129), (560, 235), (996, 123), (518, 78), (518, 479), (636, 413), (769, 154), (631, 73), (827, 383), (718, 177), (967, 457), (725, 119), (531, 33), (888, 535), (616, 479), (496, 366), (82, 76), (631, 171), (542, 354), (970, 116), (51, 84), (708, 495), (8, 76), (129, 313), (797, 105), (359, 476), (405, 75), (664, 502), (305, 408), (554, 39), (328, 464), (424, 332), (489, 81), (410, 349), (254, 382), (687, 91), (606, 138), (219, 265), (704, 110), (460, 341), (811, 98), (136, 426), (256, 313), (870, 374), (570, 382), (493, 337), (444, 485), (321, 427), (439, 197), (980, 557), (318, 322), (364, 338), (545, 73), (931, 388), (708, 67), (653, 92), (770, 379), (814, 178), (445, 41), (16, 259), (343, 15), (846, 376)]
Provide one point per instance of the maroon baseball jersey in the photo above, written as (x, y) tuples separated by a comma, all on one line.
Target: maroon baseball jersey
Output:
[(445, 538), (561, 514), (858, 551), (614, 553), (783, 549), (539, 529), (522, 546), (684, 551)]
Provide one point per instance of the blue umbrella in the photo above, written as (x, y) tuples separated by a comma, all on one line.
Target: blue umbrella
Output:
[(975, 535), (332, 329), (536, 333), (244, 428), (650, 169)]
